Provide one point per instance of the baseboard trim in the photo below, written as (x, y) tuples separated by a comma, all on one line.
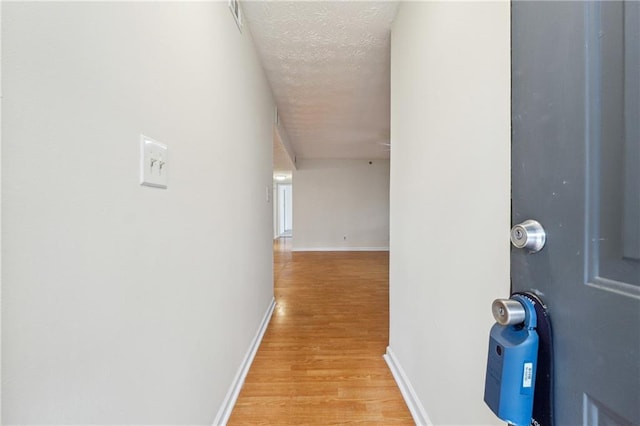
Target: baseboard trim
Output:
[(416, 408), (340, 249), (232, 394)]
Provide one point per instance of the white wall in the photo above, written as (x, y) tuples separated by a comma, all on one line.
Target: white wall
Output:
[(281, 137), (334, 199), (1, 3), (450, 166), (121, 303)]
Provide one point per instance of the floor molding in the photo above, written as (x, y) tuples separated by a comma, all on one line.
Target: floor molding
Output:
[(340, 249), (416, 408), (232, 394)]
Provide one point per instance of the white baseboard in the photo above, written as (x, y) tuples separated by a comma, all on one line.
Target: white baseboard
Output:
[(340, 249), (232, 394), (416, 408)]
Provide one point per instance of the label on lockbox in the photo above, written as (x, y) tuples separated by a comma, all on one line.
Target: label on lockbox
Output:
[(527, 375)]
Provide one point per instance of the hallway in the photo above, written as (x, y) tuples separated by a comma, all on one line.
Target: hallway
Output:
[(321, 358), (126, 304)]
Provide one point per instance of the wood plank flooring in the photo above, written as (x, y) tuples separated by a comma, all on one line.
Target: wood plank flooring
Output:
[(320, 361)]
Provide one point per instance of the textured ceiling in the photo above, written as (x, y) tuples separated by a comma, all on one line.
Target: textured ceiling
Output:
[(328, 66)]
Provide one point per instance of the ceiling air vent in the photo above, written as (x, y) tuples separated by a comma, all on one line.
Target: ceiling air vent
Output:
[(234, 5)]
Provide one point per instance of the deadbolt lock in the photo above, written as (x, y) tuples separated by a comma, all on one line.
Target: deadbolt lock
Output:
[(529, 235)]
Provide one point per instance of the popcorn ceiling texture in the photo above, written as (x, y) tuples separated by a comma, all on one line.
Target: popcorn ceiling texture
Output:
[(328, 66)]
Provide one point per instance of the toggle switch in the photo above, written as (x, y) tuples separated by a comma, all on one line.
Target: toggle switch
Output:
[(153, 163)]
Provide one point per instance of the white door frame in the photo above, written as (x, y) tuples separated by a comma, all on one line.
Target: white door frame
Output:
[(284, 212)]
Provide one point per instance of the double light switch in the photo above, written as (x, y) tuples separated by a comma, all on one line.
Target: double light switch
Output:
[(154, 163)]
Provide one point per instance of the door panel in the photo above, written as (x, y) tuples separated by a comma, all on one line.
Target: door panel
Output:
[(575, 169), (631, 246), (612, 100)]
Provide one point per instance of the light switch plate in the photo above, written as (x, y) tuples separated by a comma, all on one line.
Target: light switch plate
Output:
[(154, 162)]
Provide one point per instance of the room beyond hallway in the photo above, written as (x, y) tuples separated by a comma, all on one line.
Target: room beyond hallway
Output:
[(320, 361)]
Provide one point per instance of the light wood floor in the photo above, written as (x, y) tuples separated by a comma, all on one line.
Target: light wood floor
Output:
[(320, 361)]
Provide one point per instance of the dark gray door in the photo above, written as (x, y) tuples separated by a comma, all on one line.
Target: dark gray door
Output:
[(576, 170)]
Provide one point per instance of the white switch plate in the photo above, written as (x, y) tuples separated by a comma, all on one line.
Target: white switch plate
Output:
[(154, 162)]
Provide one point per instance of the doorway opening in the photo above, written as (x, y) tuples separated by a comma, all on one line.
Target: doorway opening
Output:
[(284, 210)]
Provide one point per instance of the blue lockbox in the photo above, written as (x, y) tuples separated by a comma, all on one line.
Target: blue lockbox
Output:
[(511, 367)]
